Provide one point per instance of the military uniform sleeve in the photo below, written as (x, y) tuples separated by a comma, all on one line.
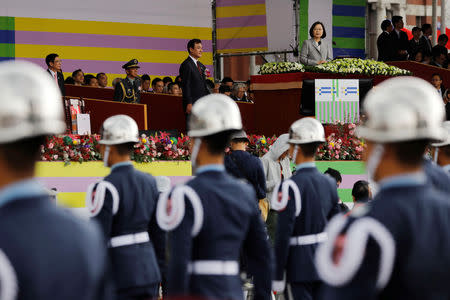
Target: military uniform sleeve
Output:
[(186, 75), (118, 92), (180, 254), (259, 255), (105, 215), (285, 227), (261, 181)]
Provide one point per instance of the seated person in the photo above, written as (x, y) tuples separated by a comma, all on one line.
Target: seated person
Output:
[(90, 80), (174, 89), (439, 54), (238, 92), (78, 77), (228, 81), (225, 89), (158, 85), (69, 80), (145, 83), (436, 81), (102, 80)]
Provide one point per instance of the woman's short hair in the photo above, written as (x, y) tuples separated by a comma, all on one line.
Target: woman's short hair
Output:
[(311, 34)]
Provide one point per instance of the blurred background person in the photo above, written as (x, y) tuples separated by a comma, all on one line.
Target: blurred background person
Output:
[(174, 89), (78, 77), (145, 83), (384, 41), (102, 80)]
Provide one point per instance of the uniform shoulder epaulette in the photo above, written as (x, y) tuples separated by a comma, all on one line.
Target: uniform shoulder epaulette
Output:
[(171, 209), (95, 197), (352, 247), (280, 198)]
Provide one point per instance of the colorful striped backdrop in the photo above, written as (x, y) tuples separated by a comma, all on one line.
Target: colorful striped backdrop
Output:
[(96, 46), (241, 25)]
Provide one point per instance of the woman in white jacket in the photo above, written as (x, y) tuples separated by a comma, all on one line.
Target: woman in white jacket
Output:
[(277, 167)]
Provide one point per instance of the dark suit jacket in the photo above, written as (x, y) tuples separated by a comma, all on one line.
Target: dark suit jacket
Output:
[(427, 47), (192, 82), (60, 81), (415, 47), (384, 46), (400, 42)]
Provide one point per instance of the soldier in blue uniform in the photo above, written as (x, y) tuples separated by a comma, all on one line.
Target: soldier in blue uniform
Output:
[(129, 89), (214, 215), (244, 166), (124, 203), (398, 247), (45, 252), (442, 150), (305, 203)]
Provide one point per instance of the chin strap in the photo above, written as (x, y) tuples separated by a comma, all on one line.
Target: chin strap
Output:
[(372, 164), (294, 154), (436, 154), (106, 156), (195, 149)]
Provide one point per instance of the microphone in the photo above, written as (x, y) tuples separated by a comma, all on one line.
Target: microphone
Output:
[(320, 42)]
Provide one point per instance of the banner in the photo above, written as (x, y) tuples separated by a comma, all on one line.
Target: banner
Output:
[(337, 100)]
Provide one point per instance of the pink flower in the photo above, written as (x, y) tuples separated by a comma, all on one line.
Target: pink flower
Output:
[(351, 132), (338, 146), (50, 146), (358, 156), (55, 157), (336, 156)]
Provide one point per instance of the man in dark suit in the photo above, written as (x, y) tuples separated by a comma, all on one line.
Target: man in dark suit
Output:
[(400, 39), (54, 69), (416, 44), (425, 39), (193, 76), (384, 42)]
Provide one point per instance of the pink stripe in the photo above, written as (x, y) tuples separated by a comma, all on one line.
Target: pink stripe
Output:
[(254, 42), (115, 67), (104, 41), (222, 3), (349, 180), (241, 21)]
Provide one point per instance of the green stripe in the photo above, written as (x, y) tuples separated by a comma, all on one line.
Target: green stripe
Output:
[(350, 43), (333, 82), (7, 50), (303, 22), (350, 2), (7, 23), (345, 167), (346, 21), (345, 195)]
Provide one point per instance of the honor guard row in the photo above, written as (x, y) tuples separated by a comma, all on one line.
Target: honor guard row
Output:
[(129, 89)]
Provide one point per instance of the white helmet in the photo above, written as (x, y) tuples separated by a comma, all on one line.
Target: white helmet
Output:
[(119, 129), (305, 131), (446, 140), (30, 101), (212, 114), (402, 109)]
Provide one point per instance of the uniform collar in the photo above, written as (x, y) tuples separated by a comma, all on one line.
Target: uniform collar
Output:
[(21, 189), (209, 168), (404, 180), (121, 164), (195, 60), (305, 165)]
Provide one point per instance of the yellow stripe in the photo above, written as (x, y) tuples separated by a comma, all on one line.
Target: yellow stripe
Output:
[(108, 54), (242, 50), (237, 32), (96, 169), (72, 200), (239, 11), (116, 28)]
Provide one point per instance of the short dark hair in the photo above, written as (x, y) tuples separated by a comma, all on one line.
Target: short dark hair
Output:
[(415, 29), (87, 78), (217, 143), (210, 83), (311, 29), (442, 37), (167, 79), (360, 190), (224, 89), (50, 58), (170, 85), (310, 149), (145, 77), (410, 153), (438, 50), (74, 73), (191, 44), (334, 173), (227, 79), (100, 74), (396, 19), (438, 75), (426, 27), (156, 80), (69, 80), (20, 156), (178, 78), (125, 148), (385, 24)]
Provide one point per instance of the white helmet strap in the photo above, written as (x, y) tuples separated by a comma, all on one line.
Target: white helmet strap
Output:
[(195, 150), (436, 154), (106, 156), (294, 154), (374, 161)]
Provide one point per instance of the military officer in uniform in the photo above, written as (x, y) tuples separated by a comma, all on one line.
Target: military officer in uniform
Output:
[(124, 203), (45, 253), (305, 203), (398, 247), (214, 215), (129, 89), (442, 150)]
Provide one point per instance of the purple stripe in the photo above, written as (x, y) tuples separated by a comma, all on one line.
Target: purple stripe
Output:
[(104, 41), (349, 180), (114, 67), (254, 42), (241, 21), (80, 184), (222, 3)]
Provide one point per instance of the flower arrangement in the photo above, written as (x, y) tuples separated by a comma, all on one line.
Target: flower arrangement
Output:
[(281, 67), (358, 66), (341, 144)]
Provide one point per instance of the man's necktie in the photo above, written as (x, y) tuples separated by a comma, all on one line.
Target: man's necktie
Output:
[(56, 78), (199, 68)]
